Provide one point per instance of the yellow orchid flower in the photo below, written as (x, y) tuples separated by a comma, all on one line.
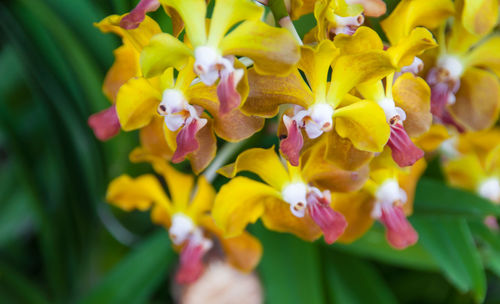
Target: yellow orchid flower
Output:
[(371, 8), (272, 50), (464, 79), (189, 132), (405, 98), (289, 200), (475, 165), (387, 197), (318, 103), (185, 214), (126, 66)]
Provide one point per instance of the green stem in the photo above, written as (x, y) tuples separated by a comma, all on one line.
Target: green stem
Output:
[(281, 17), (224, 154)]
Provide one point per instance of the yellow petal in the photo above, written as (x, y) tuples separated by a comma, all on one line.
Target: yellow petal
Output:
[(125, 66), (136, 103), (464, 172), (432, 139), (243, 251), (492, 163), (200, 159), (263, 162), (180, 186), (268, 92), (203, 199), (364, 124), (299, 8), (153, 140), (480, 143), (356, 208), (278, 217), (193, 14), (486, 55), (413, 95), (409, 14), (480, 16), (351, 70), (273, 50), (138, 37), (342, 153), (139, 193), (229, 12), (478, 100), (364, 39), (240, 202), (459, 39), (372, 90), (162, 52), (419, 40), (408, 180), (315, 63), (177, 23), (318, 171)]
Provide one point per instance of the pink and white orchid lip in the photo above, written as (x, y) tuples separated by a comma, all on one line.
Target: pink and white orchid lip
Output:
[(209, 66), (316, 120), (404, 151), (181, 228), (137, 15), (347, 25), (415, 67), (179, 114), (444, 81), (490, 189), (302, 197), (183, 231), (388, 209)]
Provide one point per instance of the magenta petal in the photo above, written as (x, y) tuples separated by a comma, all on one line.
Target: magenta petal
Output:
[(332, 223), (186, 140), (137, 15), (105, 123), (404, 151), (292, 144), (439, 98), (191, 265), (229, 97), (399, 232)]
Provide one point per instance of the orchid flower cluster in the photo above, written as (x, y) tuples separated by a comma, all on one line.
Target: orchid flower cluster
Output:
[(354, 116)]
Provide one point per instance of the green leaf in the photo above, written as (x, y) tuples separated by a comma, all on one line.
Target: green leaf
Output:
[(352, 280), (19, 287), (450, 242), (374, 245), (137, 276), (290, 269), (491, 245), (434, 197)]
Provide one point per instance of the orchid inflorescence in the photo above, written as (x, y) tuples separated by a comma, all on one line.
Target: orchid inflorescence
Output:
[(355, 116)]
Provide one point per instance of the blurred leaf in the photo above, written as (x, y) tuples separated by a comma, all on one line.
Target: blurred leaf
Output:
[(450, 242), (290, 269), (434, 197), (137, 276), (374, 245), (20, 287), (351, 280), (491, 240)]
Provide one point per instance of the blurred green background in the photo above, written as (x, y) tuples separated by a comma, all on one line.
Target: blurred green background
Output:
[(61, 243)]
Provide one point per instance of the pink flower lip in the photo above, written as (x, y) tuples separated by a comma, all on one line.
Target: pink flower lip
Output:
[(105, 123)]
